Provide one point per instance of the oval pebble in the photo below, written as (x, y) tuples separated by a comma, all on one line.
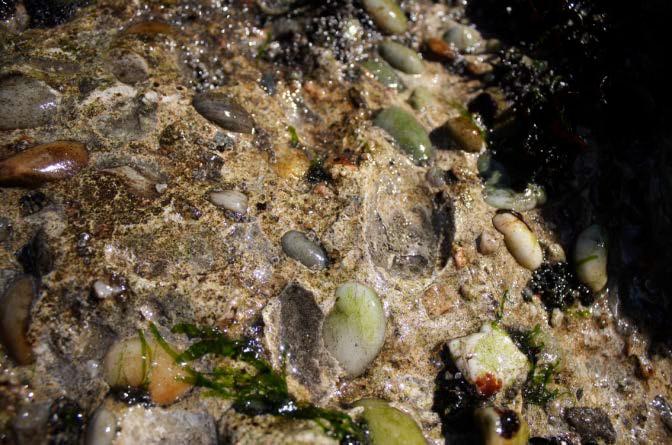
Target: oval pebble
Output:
[(465, 133), (387, 15), (354, 330), (590, 257), (223, 111), (304, 250), (383, 73), (388, 425), (401, 57), (102, 427), (464, 38), (519, 239), (43, 163), (421, 98), (407, 131), (26, 102), (130, 68), (231, 200), (15, 307)]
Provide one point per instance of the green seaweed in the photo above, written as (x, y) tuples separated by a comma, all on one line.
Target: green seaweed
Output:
[(251, 383), (536, 389), (500, 311), (293, 136)]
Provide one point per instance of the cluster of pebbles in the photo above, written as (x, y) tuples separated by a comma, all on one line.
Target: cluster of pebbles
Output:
[(316, 184)]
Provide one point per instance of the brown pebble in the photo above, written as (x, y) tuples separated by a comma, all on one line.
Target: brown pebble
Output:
[(459, 257), (14, 318), (440, 49), (43, 163), (478, 68), (465, 132), (437, 301)]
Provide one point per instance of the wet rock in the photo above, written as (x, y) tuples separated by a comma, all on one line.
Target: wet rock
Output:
[(36, 256), (464, 38), (15, 317), (665, 411), (32, 203), (158, 426), (49, 13), (43, 163), (388, 425), (401, 57), (298, 246), (592, 424), (223, 111), (300, 322), (66, 421), (26, 102), (130, 68), (407, 132), (387, 15), (383, 73), (465, 133), (354, 330), (231, 200), (101, 428)]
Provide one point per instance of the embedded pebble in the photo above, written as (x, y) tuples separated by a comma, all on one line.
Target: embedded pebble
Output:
[(421, 98), (487, 243), (388, 425), (502, 426), (130, 68), (387, 15), (101, 428), (223, 111), (441, 49), (592, 424), (401, 57), (354, 330), (132, 362), (506, 198), (519, 239), (26, 102), (383, 73), (489, 359), (231, 200), (298, 246), (590, 257), (43, 163), (137, 183), (104, 290), (465, 133), (407, 131), (15, 307), (464, 38)]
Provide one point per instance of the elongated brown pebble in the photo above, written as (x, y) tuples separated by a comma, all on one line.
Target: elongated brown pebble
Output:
[(43, 163), (14, 318)]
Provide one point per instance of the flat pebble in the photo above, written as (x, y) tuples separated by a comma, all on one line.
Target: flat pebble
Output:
[(130, 68), (223, 111), (304, 250), (407, 132), (26, 102), (354, 330), (43, 163), (387, 15), (401, 57), (15, 307), (231, 200)]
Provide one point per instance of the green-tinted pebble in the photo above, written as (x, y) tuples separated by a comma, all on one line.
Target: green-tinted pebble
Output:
[(388, 425), (407, 131), (421, 98), (401, 57), (383, 73), (387, 15)]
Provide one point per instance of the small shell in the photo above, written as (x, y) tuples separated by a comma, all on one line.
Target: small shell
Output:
[(519, 239), (590, 257), (231, 200), (502, 426), (388, 425), (354, 330)]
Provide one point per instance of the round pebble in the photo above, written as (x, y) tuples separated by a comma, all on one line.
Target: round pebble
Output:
[(26, 102), (231, 200)]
